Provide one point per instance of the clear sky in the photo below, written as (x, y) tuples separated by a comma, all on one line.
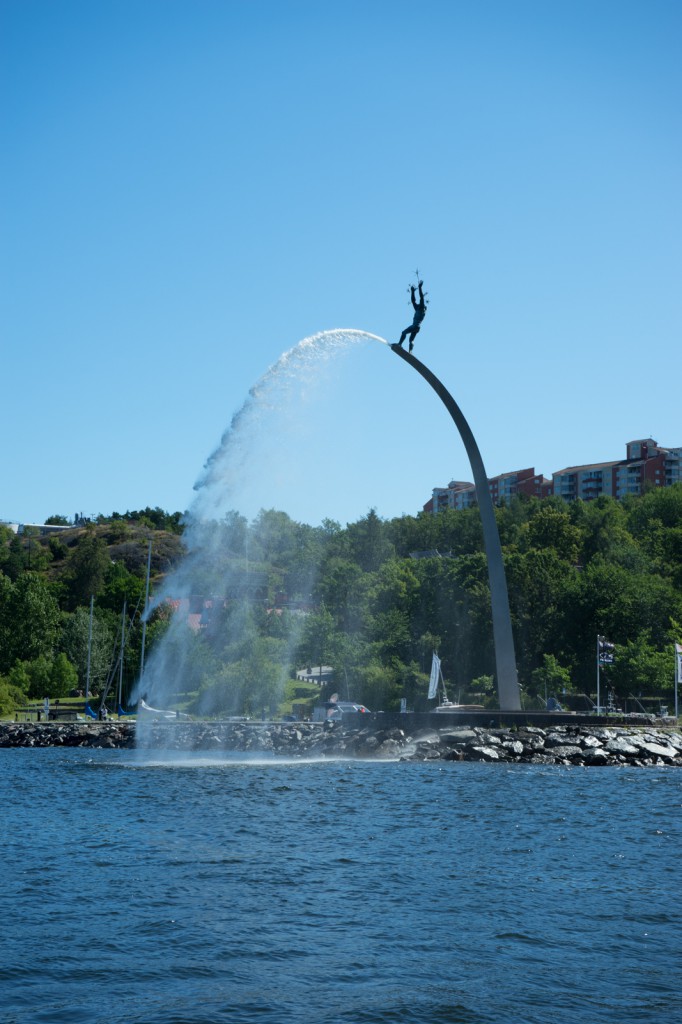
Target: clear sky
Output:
[(190, 187)]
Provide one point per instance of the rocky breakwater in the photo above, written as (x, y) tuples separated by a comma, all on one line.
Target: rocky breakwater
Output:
[(565, 745), (589, 746), (68, 734)]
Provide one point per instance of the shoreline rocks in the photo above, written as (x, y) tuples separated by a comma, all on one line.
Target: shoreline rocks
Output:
[(67, 734), (582, 745)]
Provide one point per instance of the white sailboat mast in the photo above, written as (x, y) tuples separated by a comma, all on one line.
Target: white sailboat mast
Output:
[(146, 606)]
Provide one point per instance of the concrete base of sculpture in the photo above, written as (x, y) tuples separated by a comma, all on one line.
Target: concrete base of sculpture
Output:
[(505, 658)]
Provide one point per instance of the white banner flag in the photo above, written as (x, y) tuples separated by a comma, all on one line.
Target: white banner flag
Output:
[(678, 663), (435, 675)]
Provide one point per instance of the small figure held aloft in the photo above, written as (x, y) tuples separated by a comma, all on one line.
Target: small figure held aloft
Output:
[(419, 314)]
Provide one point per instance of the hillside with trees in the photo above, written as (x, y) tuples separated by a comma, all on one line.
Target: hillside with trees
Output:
[(372, 599)]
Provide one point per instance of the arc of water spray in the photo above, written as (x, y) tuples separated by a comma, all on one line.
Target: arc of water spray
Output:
[(505, 658), (302, 358), (306, 355), (223, 476)]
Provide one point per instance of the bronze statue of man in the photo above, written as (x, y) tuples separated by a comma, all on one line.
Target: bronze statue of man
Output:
[(419, 314)]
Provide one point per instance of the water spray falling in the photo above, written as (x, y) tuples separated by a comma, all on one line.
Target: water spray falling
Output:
[(214, 646), (278, 391)]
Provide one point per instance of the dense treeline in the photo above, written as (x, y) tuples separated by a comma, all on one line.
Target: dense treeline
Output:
[(371, 599), (46, 584)]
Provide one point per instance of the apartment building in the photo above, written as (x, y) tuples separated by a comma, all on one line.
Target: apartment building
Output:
[(461, 494), (458, 494), (646, 463), (584, 482)]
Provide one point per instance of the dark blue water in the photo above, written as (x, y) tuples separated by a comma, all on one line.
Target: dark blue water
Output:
[(357, 893)]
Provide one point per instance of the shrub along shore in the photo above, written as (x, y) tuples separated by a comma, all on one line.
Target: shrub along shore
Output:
[(563, 744)]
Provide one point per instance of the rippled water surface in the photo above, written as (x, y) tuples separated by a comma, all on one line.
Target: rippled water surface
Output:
[(192, 892)]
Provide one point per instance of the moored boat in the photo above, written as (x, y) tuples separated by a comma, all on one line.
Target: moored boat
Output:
[(437, 682)]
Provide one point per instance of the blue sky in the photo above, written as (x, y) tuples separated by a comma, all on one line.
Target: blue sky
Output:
[(191, 188)]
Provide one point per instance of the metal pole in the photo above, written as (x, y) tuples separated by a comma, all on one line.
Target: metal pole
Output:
[(123, 640), (598, 663), (87, 675), (505, 657), (146, 605)]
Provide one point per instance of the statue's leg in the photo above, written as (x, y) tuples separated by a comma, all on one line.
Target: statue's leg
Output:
[(413, 334), (403, 336)]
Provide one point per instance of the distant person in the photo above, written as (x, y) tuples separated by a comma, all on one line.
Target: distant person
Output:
[(419, 314)]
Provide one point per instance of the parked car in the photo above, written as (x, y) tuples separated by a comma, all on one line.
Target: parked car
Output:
[(337, 710)]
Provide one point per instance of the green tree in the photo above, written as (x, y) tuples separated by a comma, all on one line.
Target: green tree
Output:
[(604, 529), (75, 645), (641, 670), (379, 686), (58, 549), (38, 555), (317, 641), (121, 585), (549, 680), (348, 656), (536, 582), (551, 528), (483, 689), (29, 619), (11, 697), (88, 567), (251, 686), (396, 586), (344, 587), (392, 634), (44, 677), (16, 559), (369, 541)]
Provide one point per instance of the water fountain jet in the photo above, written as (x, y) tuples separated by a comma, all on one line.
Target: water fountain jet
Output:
[(216, 536)]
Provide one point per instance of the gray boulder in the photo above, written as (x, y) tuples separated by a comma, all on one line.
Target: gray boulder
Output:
[(567, 752), (484, 753)]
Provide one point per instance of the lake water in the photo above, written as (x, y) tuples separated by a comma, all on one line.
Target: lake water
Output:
[(200, 891)]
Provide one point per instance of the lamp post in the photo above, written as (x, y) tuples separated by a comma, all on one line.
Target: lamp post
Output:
[(599, 642), (505, 658)]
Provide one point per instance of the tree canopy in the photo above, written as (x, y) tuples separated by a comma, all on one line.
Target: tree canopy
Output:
[(371, 600)]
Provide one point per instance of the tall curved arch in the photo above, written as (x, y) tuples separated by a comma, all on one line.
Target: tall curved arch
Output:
[(505, 657)]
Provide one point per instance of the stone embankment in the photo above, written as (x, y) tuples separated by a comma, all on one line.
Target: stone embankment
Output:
[(564, 744), (69, 734)]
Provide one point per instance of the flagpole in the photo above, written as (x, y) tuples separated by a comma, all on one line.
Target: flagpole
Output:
[(598, 664)]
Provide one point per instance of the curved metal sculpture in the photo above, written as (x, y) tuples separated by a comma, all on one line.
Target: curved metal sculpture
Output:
[(505, 658)]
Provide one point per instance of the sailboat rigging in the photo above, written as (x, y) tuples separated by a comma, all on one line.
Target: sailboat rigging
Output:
[(437, 681)]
